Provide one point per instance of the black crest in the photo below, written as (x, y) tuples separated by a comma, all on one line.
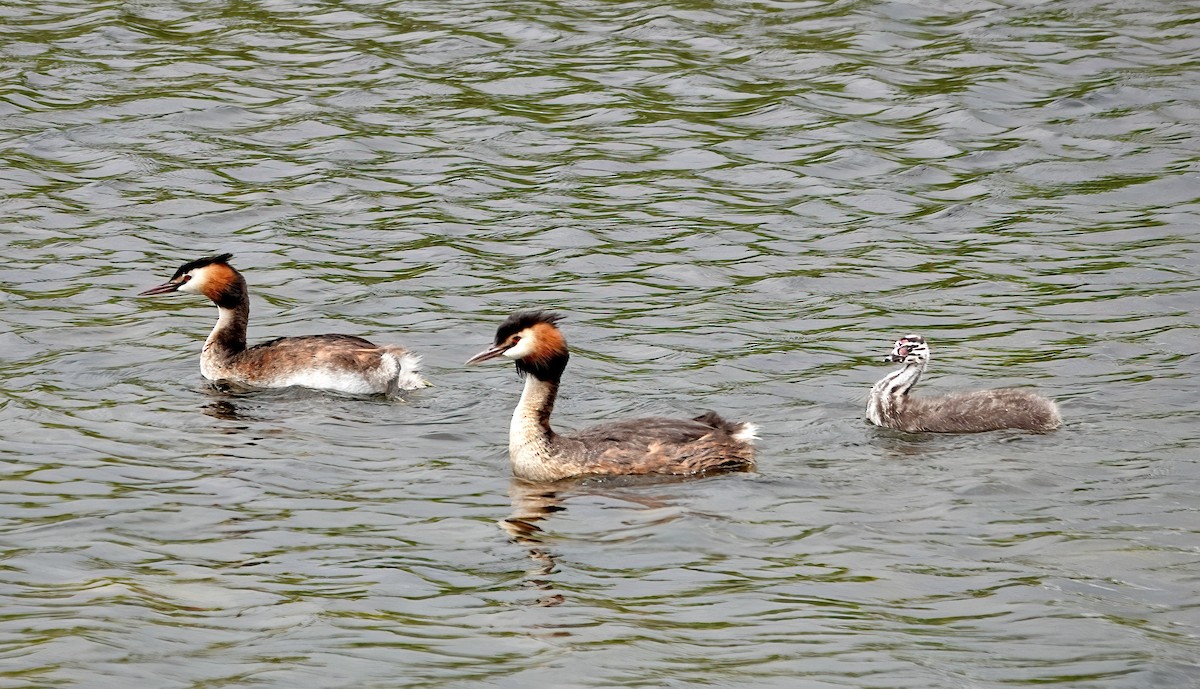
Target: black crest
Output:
[(525, 319), (201, 262)]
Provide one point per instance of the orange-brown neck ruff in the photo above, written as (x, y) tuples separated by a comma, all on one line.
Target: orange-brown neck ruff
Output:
[(549, 357), (224, 285)]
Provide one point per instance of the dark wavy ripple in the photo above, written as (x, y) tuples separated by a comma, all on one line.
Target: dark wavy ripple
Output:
[(739, 205)]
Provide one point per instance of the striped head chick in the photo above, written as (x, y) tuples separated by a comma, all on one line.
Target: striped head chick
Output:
[(910, 349)]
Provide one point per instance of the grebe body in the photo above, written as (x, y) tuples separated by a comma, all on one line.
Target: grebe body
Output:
[(652, 445), (339, 363), (891, 405)]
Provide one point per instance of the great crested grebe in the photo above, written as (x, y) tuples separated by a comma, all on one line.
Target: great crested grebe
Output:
[(652, 445), (340, 363), (891, 406)]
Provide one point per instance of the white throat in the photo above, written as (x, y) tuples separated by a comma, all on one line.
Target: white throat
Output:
[(212, 359), (528, 437)]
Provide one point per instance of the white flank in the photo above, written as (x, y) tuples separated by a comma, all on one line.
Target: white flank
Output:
[(349, 382)]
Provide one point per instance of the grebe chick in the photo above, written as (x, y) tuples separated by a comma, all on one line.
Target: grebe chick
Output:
[(891, 406), (340, 363), (652, 445)]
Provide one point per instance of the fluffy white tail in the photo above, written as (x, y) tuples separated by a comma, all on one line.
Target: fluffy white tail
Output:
[(748, 433)]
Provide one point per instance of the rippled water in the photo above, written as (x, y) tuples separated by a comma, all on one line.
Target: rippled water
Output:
[(739, 205)]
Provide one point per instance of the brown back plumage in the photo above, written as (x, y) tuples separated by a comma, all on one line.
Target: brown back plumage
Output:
[(659, 445), (283, 354), (975, 412)]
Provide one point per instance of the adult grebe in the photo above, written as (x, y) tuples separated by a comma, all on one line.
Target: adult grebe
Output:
[(651, 445), (970, 412), (341, 363)]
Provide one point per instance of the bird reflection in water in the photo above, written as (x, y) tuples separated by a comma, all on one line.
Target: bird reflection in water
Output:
[(533, 502), (224, 410), (225, 405)]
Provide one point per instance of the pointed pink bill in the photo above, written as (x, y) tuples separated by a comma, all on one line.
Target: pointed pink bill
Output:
[(164, 288), (490, 353)]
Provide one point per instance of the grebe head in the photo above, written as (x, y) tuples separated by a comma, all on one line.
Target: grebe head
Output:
[(211, 276), (910, 349), (532, 340)]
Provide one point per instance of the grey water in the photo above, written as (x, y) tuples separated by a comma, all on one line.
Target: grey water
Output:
[(738, 205)]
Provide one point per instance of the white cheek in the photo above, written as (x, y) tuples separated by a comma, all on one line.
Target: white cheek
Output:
[(521, 349), (196, 284)]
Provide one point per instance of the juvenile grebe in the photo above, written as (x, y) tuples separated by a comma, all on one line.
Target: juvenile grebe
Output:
[(651, 445), (970, 412), (341, 363)]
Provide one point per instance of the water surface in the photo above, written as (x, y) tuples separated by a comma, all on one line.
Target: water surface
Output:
[(739, 206)]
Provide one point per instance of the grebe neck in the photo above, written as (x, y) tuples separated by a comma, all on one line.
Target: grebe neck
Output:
[(530, 435), (228, 336), (889, 393)]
